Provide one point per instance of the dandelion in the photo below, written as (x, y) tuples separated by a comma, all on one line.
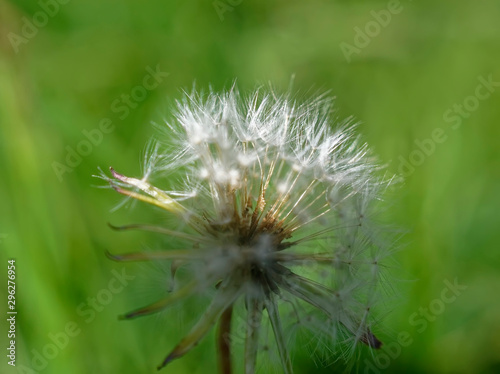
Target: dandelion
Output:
[(274, 210)]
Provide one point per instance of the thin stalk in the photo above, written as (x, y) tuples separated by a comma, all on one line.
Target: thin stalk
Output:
[(224, 341)]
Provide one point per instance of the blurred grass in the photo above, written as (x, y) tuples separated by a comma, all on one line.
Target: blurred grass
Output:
[(65, 79)]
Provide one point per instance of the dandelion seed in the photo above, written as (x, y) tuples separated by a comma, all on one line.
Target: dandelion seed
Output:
[(276, 208)]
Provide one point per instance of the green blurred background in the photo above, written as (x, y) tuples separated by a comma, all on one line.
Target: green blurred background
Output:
[(70, 73)]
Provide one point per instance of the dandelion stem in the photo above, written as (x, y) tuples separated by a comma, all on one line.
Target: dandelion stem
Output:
[(224, 341)]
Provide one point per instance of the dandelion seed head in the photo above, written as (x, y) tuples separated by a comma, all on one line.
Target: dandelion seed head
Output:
[(276, 209)]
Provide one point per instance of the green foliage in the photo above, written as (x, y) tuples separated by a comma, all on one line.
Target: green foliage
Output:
[(403, 85)]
